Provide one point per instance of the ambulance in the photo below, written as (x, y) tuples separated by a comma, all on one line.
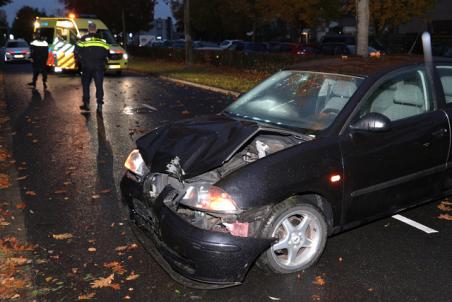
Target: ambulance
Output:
[(62, 35)]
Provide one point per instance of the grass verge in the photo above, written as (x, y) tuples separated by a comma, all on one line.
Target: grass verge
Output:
[(221, 77)]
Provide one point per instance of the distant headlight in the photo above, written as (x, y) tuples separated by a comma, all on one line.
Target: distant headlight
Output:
[(125, 56), (209, 198), (135, 163)]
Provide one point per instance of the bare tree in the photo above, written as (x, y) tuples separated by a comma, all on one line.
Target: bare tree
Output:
[(362, 16)]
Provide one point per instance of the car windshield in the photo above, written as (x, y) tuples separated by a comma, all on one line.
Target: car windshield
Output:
[(16, 44), (308, 101)]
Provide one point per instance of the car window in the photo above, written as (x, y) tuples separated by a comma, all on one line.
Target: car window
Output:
[(17, 44), (445, 74), (404, 95)]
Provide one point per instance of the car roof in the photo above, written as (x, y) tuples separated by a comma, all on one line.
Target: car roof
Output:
[(358, 66)]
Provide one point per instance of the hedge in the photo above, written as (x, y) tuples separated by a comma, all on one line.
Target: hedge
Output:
[(257, 61)]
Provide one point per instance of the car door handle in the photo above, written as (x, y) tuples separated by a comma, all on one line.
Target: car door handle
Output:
[(439, 133)]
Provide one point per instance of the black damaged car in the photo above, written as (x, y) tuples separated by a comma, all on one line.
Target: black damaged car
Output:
[(311, 151)]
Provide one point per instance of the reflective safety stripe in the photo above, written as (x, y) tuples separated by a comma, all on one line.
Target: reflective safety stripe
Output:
[(70, 50), (66, 47), (93, 43)]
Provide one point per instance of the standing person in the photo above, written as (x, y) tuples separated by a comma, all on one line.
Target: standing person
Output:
[(39, 54), (92, 53)]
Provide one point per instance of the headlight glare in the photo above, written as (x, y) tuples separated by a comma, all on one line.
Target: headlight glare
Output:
[(125, 56), (135, 163), (209, 198)]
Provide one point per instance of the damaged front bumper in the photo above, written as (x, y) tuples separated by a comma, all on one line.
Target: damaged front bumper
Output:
[(188, 253)]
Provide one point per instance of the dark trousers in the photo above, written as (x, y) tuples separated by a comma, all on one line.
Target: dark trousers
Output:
[(39, 69), (87, 76)]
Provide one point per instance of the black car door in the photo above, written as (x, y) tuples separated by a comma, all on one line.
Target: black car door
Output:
[(445, 75), (392, 170)]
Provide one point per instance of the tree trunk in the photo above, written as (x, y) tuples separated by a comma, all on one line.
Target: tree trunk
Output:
[(188, 41), (362, 15)]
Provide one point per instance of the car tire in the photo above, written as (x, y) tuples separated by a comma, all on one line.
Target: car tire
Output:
[(302, 230)]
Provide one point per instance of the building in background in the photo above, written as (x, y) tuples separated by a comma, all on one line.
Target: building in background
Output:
[(439, 21), (161, 30)]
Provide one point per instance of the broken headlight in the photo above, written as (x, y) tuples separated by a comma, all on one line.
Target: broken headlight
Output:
[(208, 198), (135, 163)]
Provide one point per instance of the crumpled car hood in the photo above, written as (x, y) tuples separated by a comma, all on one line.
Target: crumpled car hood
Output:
[(191, 147)]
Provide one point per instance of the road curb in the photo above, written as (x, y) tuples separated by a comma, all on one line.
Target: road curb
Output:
[(188, 83)]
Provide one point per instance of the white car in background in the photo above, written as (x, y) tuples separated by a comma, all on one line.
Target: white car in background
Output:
[(17, 50)]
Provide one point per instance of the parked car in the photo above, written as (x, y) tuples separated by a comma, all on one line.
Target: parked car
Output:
[(312, 151), (281, 47), (248, 47), (205, 45), (334, 38), (227, 43), (335, 49), (306, 50), (17, 50)]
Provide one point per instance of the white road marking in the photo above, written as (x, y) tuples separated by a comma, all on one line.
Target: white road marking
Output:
[(150, 107), (415, 224)]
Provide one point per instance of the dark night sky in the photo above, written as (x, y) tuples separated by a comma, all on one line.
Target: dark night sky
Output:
[(51, 6)]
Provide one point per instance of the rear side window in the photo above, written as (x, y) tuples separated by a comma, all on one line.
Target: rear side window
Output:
[(445, 74), (404, 95)]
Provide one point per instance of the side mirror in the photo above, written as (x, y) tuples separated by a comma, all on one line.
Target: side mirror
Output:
[(372, 122)]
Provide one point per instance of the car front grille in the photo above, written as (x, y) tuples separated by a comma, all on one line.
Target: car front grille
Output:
[(115, 56)]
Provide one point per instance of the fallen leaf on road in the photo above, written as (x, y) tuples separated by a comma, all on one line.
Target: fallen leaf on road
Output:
[(95, 196), (35, 141), (62, 236), (121, 248), (60, 191), (17, 261), (132, 276), (133, 246), (4, 155), (4, 120), (116, 267), (274, 298), (115, 286), (72, 168), (22, 177), (315, 298), (31, 193), (88, 296), (127, 298), (92, 249), (105, 191), (319, 281), (102, 282), (21, 206), (443, 207), (445, 217), (4, 181)]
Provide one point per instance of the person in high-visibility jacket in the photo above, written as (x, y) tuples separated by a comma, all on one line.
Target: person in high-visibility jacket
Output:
[(92, 53), (39, 52)]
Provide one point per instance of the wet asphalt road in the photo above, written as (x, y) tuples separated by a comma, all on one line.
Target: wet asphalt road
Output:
[(74, 162)]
